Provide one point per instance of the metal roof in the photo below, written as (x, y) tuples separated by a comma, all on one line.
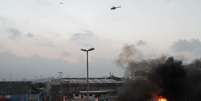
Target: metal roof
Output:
[(91, 81), (83, 80)]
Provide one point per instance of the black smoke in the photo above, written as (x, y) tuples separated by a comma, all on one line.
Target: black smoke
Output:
[(137, 90), (170, 78)]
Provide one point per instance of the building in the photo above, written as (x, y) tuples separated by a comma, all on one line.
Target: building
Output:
[(21, 91), (59, 89), (14, 90), (76, 88), (14, 87)]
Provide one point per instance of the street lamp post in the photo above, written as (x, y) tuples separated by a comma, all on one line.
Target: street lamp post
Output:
[(87, 52)]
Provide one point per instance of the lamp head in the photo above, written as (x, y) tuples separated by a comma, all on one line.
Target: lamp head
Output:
[(91, 49), (83, 50)]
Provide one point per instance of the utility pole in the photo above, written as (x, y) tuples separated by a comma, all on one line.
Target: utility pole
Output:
[(87, 53)]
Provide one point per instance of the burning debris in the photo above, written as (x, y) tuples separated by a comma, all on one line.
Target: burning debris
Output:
[(161, 98), (161, 79)]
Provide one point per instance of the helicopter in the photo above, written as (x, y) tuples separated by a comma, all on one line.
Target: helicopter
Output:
[(115, 7)]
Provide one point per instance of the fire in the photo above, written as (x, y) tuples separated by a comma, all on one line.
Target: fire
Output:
[(161, 98)]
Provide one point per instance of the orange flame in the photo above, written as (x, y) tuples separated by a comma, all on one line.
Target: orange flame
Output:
[(161, 98)]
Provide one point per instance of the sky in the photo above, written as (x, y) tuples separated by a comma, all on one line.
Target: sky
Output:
[(39, 38)]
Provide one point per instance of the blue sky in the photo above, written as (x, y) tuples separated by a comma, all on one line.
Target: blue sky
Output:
[(45, 30)]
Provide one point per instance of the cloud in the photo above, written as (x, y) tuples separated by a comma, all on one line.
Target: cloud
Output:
[(85, 38), (21, 67), (34, 49), (16, 67), (141, 43), (82, 35), (14, 33), (188, 48), (30, 35), (25, 43), (8, 27)]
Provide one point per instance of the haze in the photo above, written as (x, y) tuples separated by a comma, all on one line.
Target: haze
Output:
[(39, 38)]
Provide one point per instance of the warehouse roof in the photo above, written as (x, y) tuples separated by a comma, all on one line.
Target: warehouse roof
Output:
[(83, 80)]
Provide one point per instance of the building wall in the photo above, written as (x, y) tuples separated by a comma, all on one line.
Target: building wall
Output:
[(71, 90)]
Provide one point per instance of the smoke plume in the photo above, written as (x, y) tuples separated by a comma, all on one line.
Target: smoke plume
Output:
[(163, 76)]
